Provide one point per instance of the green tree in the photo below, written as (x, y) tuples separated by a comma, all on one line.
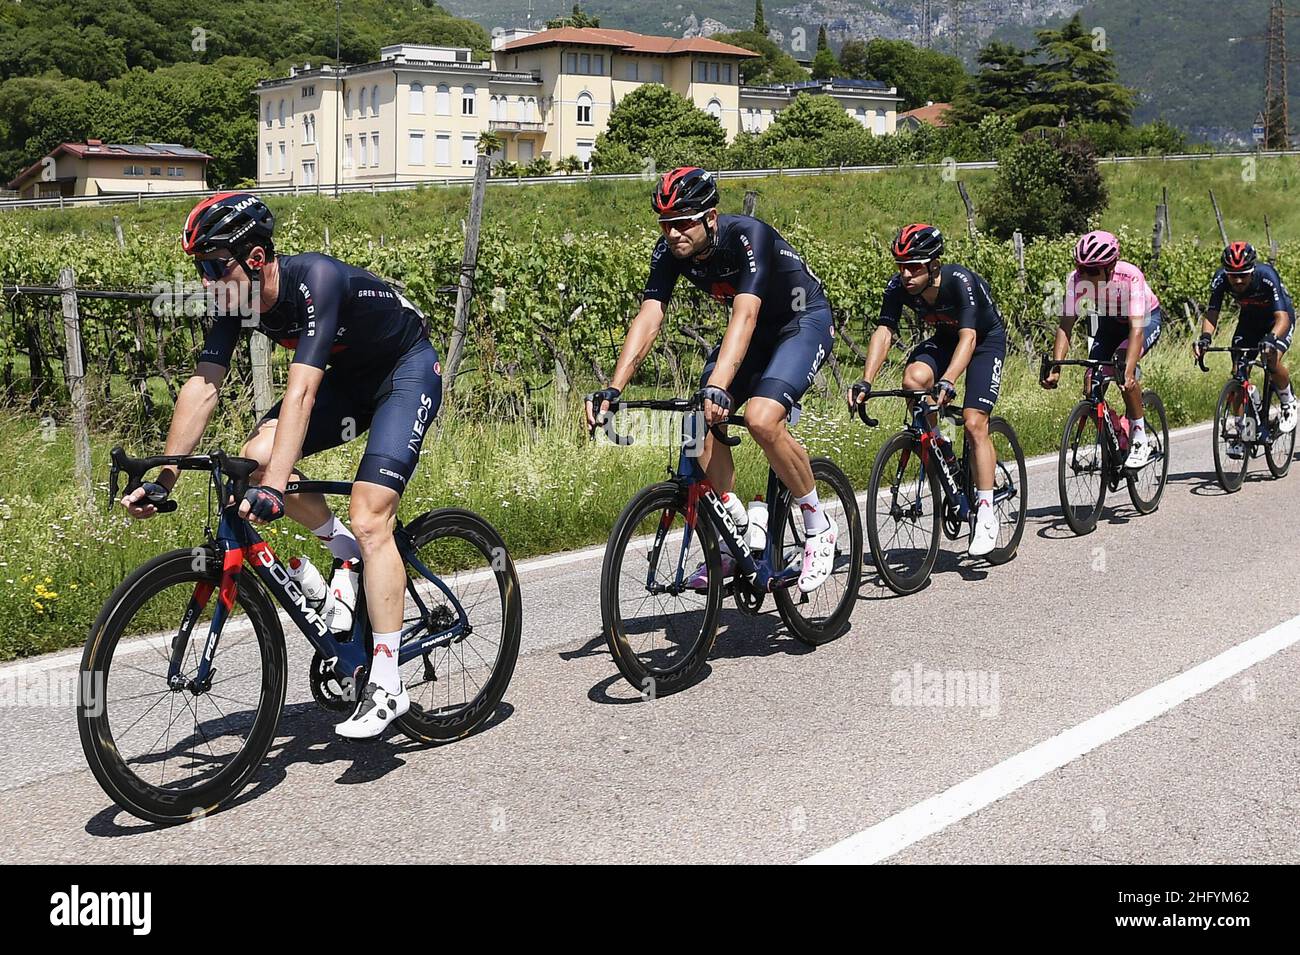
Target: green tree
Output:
[(920, 76), (822, 42), (1046, 186), (575, 19), (1003, 85), (760, 23), (824, 65), (772, 65), (1078, 80), (653, 122), (808, 119)]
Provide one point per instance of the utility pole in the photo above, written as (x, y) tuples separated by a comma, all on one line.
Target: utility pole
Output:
[(1277, 118), (338, 88), (925, 24)]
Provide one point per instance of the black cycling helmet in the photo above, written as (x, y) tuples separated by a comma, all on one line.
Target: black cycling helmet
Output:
[(229, 220), (684, 192), (917, 243), (1239, 257)]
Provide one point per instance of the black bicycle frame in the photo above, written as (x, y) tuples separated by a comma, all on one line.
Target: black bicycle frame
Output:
[(763, 573), (1107, 420), (1243, 360), (237, 542)]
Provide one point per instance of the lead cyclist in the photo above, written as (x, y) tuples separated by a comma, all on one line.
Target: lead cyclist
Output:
[(778, 336), (362, 360)]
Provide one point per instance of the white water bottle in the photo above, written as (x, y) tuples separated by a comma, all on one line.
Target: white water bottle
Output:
[(739, 516), (757, 537), (304, 573)]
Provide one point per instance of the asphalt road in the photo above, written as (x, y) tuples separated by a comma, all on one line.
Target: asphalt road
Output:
[(1105, 723)]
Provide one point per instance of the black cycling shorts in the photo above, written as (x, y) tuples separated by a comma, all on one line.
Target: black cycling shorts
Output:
[(1249, 334), (1111, 341), (783, 367), (397, 408), (983, 376)]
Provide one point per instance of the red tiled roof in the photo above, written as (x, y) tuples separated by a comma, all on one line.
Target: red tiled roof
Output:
[(93, 148), (932, 115), (628, 42)]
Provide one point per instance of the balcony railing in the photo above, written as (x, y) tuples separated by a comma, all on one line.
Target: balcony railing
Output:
[(515, 126)]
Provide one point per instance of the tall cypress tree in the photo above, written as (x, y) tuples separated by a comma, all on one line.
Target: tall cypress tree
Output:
[(760, 24), (822, 43)]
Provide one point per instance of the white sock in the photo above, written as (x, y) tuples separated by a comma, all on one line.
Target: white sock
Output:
[(335, 535), (383, 666), (814, 518), (983, 497), (1139, 428), (1287, 396)]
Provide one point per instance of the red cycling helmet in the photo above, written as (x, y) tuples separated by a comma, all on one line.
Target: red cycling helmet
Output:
[(685, 191), (1239, 257), (917, 243)]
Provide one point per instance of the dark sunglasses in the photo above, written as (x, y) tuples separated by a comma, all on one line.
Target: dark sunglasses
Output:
[(1092, 270), (214, 269)]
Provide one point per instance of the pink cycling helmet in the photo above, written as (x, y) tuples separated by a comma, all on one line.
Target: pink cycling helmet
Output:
[(1097, 250)]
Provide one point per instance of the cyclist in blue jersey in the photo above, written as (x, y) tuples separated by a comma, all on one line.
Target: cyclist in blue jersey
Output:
[(1267, 319), (778, 335), (969, 338), (362, 361)]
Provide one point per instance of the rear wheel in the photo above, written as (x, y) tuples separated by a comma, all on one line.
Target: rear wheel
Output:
[(456, 686), (1279, 450), (1230, 471), (659, 631), (1146, 485), (823, 615), (1082, 469), (903, 504)]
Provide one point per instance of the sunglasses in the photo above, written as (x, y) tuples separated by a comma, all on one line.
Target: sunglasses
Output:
[(214, 269), (682, 222)]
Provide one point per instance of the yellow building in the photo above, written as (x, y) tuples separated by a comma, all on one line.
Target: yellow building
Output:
[(418, 112), (94, 168)]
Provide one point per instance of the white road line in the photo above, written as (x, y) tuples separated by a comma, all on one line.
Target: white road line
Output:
[(73, 657), (937, 813)]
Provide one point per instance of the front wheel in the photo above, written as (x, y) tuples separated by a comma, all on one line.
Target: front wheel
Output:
[(823, 615), (903, 504), (1231, 471), (659, 629), (455, 687), (1082, 468), (168, 753), (1147, 483), (1010, 490)]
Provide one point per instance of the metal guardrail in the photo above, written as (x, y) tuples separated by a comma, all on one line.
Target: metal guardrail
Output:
[(466, 181)]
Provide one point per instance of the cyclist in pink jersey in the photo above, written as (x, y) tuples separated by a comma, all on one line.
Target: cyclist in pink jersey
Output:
[(1126, 319)]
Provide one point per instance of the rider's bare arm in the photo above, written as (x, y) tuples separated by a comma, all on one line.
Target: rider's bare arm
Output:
[(291, 428), (1281, 323), (882, 339), (744, 316), (194, 406), (1061, 347), (961, 355), (641, 335)]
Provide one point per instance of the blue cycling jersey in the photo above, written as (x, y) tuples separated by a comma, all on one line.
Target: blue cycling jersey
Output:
[(750, 258), (1263, 298), (329, 313), (964, 301)]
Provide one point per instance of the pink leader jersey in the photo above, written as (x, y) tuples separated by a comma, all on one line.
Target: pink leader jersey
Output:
[(1126, 294)]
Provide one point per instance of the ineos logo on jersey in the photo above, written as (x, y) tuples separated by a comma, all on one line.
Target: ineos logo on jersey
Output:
[(749, 253)]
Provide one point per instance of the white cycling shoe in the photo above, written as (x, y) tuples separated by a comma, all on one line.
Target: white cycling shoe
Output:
[(985, 536), (1139, 453), (818, 559), (1286, 421), (375, 710)]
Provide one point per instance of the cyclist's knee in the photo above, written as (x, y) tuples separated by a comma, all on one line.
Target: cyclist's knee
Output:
[(918, 377), (976, 422), (372, 514), (765, 420)]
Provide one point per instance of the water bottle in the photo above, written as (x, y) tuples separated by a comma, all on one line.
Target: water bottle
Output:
[(1254, 396), (757, 537), (739, 516), (949, 456), (304, 573), (343, 594)]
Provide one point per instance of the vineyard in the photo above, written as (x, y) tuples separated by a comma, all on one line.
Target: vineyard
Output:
[(549, 310)]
